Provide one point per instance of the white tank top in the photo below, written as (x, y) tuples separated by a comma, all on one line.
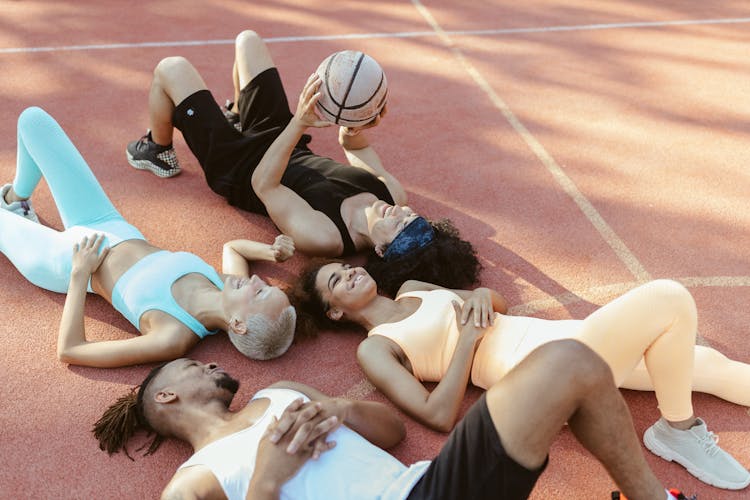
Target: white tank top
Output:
[(354, 469)]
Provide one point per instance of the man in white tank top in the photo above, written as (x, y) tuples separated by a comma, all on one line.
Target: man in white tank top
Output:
[(280, 444)]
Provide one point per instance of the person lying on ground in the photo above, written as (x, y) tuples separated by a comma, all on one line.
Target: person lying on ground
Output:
[(647, 337), (497, 451), (174, 299)]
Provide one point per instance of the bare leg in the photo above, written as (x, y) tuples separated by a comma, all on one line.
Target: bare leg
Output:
[(174, 80), (565, 381), (236, 82), (251, 57)]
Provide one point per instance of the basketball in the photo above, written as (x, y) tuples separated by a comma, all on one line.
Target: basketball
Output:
[(353, 89)]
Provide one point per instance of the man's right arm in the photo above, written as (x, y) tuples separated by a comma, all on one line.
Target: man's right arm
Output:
[(360, 154)]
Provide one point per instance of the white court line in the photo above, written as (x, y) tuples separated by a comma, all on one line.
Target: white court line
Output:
[(401, 34), (598, 293), (618, 246)]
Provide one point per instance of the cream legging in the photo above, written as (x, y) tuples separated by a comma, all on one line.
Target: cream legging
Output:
[(647, 337)]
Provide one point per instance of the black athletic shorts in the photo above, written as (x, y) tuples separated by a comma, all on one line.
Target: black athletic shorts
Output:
[(473, 465), (227, 156)]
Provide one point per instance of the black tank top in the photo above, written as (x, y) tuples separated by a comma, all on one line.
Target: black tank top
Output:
[(324, 184)]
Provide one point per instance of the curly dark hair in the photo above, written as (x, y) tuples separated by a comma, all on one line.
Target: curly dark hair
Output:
[(448, 261), (311, 310)]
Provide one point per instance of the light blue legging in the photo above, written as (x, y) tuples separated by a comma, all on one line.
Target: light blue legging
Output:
[(42, 254)]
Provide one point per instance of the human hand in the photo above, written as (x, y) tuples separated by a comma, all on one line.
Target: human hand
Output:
[(479, 305), (352, 131), (468, 331), (282, 248), (306, 114), (304, 427), (86, 256), (274, 463)]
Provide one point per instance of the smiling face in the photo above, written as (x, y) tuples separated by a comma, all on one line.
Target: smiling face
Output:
[(385, 222), (344, 289), (244, 297)]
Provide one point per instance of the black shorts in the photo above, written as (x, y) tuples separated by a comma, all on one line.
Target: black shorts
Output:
[(227, 156), (473, 464)]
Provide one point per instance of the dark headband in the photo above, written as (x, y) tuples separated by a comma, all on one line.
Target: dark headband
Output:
[(417, 234)]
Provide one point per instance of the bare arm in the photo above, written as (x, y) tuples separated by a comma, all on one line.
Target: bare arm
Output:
[(72, 345), (437, 409), (156, 346), (311, 230), (360, 154), (374, 421), (237, 254)]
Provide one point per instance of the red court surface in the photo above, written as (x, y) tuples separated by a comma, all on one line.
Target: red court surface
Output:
[(584, 147)]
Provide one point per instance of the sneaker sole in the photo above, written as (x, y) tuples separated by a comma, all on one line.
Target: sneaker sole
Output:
[(653, 444), (154, 169)]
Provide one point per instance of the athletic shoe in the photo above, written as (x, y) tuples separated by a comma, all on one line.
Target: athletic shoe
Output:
[(145, 154), (22, 208), (697, 450), (232, 117)]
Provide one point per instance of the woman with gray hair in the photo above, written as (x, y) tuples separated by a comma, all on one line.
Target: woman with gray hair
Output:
[(173, 298)]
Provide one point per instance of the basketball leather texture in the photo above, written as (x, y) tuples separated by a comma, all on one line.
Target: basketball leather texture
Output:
[(353, 89)]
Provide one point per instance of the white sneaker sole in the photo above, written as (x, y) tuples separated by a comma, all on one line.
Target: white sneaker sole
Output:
[(653, 444), (154, 169)]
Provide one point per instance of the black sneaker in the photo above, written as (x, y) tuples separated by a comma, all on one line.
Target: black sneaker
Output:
[(145, 154), (232, 117)]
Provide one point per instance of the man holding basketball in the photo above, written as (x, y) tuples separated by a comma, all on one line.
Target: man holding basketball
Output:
[(328, 208)]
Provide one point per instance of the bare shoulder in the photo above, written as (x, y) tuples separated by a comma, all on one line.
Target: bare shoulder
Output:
[(376, 348), (196, 482), (416, 286)]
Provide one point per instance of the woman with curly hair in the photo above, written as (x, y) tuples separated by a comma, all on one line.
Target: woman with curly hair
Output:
[(431, 334)]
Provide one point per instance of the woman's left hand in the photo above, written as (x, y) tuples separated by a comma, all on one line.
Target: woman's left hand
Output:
[(306, 114), (478, 305)]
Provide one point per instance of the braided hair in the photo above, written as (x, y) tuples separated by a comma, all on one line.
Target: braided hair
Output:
[(126, 417)]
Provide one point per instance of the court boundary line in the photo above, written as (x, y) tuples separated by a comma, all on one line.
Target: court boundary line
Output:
[(621, 250), (398, 34)]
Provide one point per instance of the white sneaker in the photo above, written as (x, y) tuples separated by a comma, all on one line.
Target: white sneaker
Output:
[(697, 450), (22, 208)]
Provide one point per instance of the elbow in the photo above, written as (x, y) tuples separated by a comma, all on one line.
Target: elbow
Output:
[(258, 183), (64, 355)]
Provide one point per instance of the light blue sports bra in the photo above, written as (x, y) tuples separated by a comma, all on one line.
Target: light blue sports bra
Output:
[(148, 285)]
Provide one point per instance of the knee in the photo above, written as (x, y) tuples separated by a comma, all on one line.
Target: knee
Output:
[(247, 38), (675, 296), (33, 117), (575, 363), (170, 67)]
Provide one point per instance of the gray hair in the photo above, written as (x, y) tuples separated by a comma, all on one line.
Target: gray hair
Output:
[(266, 339)]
